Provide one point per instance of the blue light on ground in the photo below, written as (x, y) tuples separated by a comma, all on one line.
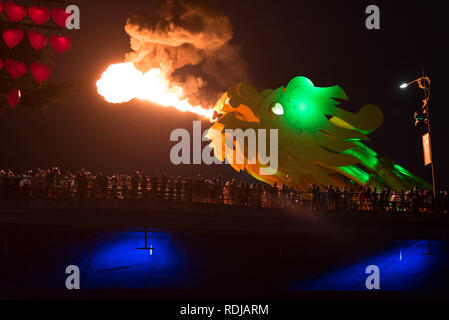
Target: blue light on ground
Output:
[(405, 265), (115, 262)]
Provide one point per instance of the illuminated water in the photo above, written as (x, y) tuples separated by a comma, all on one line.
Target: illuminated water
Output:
[(36, 260)]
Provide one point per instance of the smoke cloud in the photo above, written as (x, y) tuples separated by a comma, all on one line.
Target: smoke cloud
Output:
[(190, 42)]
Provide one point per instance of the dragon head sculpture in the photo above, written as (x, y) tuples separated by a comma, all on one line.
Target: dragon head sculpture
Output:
[(318, 141)]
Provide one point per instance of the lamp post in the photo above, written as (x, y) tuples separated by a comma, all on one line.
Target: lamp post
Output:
[(424, 83)]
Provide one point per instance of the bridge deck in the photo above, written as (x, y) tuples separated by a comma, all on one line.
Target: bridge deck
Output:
[(203, 218)]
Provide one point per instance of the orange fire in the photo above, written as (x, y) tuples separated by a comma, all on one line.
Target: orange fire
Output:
[(122, 82)]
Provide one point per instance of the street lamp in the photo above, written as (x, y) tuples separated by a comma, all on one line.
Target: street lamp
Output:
[(424, 83)]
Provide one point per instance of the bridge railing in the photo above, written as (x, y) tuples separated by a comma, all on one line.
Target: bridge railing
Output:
[(229, 195)]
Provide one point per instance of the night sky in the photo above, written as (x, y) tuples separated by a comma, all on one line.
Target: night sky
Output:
[(325, 41)]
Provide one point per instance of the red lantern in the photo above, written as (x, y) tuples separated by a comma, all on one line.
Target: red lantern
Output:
[(37, 40), (60, 17), (15, 12), (13, 37), (60, 43), (1, 7), (40, 72), (1, 62), (39, 15), (16, 69), (13, 98)]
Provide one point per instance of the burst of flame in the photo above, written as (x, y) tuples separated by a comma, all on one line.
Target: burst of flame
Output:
[(122, 82)]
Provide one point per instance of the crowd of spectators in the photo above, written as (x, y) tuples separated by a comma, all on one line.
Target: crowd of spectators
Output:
[(52, 184)]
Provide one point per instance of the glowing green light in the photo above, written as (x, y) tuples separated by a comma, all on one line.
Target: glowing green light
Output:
[(410, 178), (359, 175), (302, 107), (402, 170), (367, 156)]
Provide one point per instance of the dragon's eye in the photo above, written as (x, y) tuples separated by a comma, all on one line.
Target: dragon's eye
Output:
[(277, 109)]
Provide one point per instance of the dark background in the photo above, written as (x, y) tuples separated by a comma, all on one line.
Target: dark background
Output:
[(325, 41)]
